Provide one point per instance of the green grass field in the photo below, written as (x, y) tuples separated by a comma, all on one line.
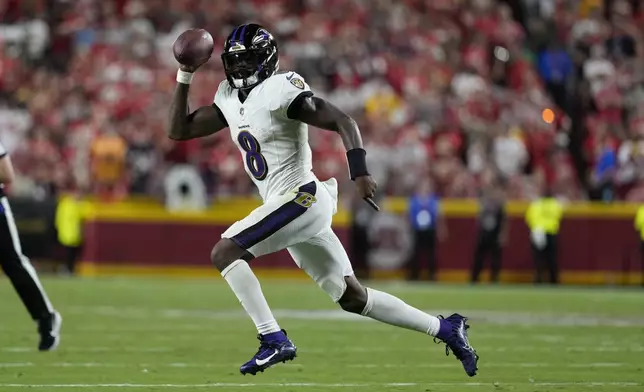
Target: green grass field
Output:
[(163, 335)]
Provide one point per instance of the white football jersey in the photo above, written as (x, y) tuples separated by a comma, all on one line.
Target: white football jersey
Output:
[(274, 148)]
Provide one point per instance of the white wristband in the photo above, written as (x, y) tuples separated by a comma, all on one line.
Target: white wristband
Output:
[(184, 77)]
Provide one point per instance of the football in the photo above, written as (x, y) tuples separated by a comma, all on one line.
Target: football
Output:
[(193, 47)]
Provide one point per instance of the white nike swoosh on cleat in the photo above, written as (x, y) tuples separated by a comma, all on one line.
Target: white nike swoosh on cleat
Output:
[(262, 362)]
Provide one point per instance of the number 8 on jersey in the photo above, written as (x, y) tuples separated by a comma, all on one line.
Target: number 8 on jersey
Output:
[(255, 161)]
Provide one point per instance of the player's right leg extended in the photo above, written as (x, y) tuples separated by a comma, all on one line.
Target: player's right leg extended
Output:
[(274, 346), (325, 260), (389, 309)]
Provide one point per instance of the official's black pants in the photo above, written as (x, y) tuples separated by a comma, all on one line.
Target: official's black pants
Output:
[(18, 268), (545, 260), (488, 245), (424, 241)]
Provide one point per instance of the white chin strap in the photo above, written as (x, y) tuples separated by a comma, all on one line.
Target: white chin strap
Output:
[(239, 83), (252, 80)]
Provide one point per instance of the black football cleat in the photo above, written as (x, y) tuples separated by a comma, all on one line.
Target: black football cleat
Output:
[(49, 330), (273, 349), (453, 332)]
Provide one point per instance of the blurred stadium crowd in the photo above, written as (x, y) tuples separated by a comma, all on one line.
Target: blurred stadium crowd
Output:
[(528, 93)]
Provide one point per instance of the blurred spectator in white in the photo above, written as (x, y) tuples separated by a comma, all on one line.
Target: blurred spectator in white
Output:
[(598, 69), (509, 152), (14, 124), (630, 157), (466, 83), (29, 31), (589, 28)]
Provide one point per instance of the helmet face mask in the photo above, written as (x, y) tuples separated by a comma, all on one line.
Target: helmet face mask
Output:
[(250, 56)]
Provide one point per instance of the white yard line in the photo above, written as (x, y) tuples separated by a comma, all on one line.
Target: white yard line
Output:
[(356, 349), (164, 333), (493, 365), (299, 366), (492, 317), (16, 365), (97, 349), (321, 385)]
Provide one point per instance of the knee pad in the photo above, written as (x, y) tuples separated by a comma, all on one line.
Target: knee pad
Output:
[(335, 288)]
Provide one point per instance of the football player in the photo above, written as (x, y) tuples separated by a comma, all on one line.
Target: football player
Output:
[(267, 113)]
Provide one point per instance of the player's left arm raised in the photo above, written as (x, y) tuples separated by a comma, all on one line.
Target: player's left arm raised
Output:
[(320, 113)]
